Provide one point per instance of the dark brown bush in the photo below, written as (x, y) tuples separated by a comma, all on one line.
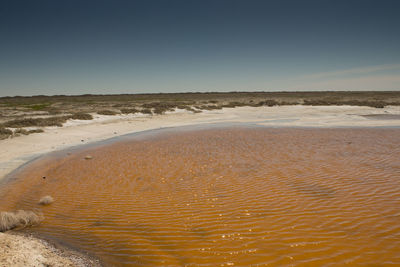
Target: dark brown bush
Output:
[(35, 131), (41, 122), (234, 104), (129, 110), (81, 116), (5, 133), (21, 131), (107, 112), (146, 111)]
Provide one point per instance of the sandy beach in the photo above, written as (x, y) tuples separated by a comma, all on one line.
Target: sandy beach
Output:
[(16, 151)]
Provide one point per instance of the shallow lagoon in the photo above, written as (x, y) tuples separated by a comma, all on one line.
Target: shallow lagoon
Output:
[(223, 196)]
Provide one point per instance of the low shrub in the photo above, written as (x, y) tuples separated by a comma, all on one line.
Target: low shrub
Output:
[(129, 110), (146, 111), (20, 131), (39, 106), (209, 107), (234, 104), (35, 131), (269, 103), (5, 133), (41, 122), (81, 116), (107, 112)]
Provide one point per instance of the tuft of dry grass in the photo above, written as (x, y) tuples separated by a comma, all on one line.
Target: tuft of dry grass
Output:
[(29, 122), (146, 111), (47, 200), (330, 102), (129, 110), (5, 133), (18, 219), (81, 116), (35, 131), (107, 112), (20, 131)]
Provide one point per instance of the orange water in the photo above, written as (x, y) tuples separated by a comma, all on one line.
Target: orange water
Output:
[(236, 196)]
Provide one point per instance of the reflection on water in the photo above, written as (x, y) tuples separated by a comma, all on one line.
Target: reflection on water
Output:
[(236, 196)]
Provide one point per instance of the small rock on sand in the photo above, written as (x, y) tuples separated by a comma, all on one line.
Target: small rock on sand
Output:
[(88, 157), (47, 200)]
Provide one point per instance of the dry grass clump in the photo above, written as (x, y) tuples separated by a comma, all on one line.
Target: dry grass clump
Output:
[(234, 104), (5, 133), (146, 111), (159, 110), (208, 107), (192, 109), (330, 102), (35, 131), (47, 200), (20, 131), (107, 112), (81, 116), (41, 122), (160, 107), (41, 106), (18, 219), (129, 110)]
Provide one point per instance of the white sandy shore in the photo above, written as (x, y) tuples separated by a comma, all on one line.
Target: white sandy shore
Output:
[(16, 151), (37, 252)]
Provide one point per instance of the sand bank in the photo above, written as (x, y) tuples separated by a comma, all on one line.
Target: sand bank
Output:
[(16, 151), (19, 250)]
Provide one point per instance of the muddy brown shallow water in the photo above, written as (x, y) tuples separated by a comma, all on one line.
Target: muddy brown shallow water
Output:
[(230, 196)]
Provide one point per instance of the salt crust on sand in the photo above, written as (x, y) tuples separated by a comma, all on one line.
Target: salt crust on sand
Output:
[(22, 251)]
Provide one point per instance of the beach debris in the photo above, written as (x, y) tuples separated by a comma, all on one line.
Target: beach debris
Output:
[(44, 177), (88, 157), (47, 200), (18, 219)]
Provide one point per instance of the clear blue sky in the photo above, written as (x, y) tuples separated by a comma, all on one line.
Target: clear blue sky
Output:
[(149, 46)]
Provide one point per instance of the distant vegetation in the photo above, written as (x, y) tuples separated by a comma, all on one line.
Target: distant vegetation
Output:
[(41, 111), (107, 112), (81, 116), (129, 110)]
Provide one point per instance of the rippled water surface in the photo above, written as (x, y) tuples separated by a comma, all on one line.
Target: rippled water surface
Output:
[(233, 196)]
